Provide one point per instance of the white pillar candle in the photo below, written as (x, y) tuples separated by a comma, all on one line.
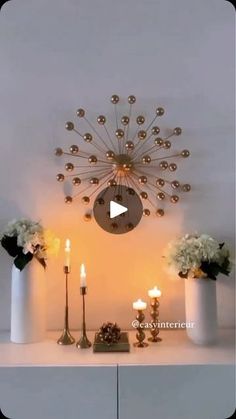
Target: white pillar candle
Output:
[(154, 292), (139, 305), (83, 276), (67, 254)]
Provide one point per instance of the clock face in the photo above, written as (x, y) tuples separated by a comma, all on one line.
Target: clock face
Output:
[(118, 209)]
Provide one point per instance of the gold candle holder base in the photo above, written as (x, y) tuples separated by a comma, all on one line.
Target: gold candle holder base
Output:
[(140, 335), (66, 337), (83, 342), (154, 315)]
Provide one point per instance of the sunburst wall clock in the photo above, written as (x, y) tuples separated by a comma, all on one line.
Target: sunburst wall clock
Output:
[(127, 151)]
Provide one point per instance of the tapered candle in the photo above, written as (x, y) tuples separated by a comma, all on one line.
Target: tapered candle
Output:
[(67, 254), (154, 293), (83, 276), (139, 305)]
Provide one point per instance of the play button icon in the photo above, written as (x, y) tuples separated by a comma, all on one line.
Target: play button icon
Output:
[(118, 209)]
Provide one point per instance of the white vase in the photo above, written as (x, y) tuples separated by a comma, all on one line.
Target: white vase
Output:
[(28, 317), (201, 310)]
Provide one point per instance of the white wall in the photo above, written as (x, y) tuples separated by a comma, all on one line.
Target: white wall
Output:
[(58, 55)]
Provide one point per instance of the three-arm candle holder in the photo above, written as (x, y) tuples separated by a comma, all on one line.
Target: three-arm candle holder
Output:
[(155, 318), (140, 335), (66, 337), (83, 342)]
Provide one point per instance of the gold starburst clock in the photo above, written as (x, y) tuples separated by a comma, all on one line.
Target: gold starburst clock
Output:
[(127, 151)]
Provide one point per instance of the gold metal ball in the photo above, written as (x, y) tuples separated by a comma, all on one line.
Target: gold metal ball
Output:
[(186, 187), (160, 111), (115, 99), (129, 145), (172, 167), (69, 126), (80, 112), (118, 198), (112, 182), (175, 184), (127, 167), (174, 199), (69, 167), (114, 226), (94, 181), (129, 226), (68, 199), (85, 200), (161, 196), (125, 120), (142, 135), (60, 177), (155, 130), (88, 137), (92, 159), (142, 180), (76, 181), (131, 191), (87, 217), (140, 120), (166, 144), (185, 153), (146, 212), (160, 212), (101, 119), (146, 159), (158, 141), (110, 155), (160, 182), (177, 131), (100, 201), (74, 149), (131, 99), (163, 165), (143, 195), (119, 133), (58, 151)]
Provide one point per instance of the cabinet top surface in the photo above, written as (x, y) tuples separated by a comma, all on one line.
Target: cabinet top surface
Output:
[(174, 349)]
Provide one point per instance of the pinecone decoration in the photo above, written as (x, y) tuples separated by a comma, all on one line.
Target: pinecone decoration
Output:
[(109, 333)]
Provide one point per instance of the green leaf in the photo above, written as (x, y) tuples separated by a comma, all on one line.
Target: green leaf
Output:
[(10, 245), (22, 260)]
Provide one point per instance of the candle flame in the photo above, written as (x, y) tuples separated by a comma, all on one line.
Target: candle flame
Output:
[(67, 246), (82, 270)]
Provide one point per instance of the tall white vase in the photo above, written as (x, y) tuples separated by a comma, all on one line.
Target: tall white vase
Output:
[(28, 317), (201, 309)]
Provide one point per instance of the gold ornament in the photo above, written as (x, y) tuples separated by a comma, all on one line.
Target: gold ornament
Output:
[(74, 149), (69, 167), (88, 137), (112, 182), (160, 182), (142, 135), (119, 133), (160, 212), (94, 181), (69, 126), (143, 195), (161, 196), (186, 187), (177, 131), (101, 119), (110, 155), (175, 184), (155, 130), (118, 198), (68, 199), (114, 226), (166, 144), (129, 145), (115, 99), (125, 120), (60, 177), (131, 99), (158, 142), (174, 199), (185, 153), (129, 226), (146, 159), (140, 120), (146, 212), (100, 201), (87, 217), (92, 159), (173, 167), (163, 165), (80, 113), (58, 151), (86, 200), (160, 111), (76, 181), (142, 180)]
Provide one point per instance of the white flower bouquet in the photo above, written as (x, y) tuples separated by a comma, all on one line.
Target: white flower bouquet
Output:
[(198, 256), (25, 239)]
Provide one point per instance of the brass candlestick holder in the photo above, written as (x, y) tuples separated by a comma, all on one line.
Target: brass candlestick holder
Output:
[(154, 315), (140, 335), (84, 342), (66, 337)]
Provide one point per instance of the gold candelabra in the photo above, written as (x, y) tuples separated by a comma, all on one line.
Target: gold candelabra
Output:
[(154, 315), (83, 342), (66, 337), (140, 335)]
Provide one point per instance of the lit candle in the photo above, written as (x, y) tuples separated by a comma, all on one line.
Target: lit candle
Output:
[(139, 305), (154, 293), (82, 276), (67, 254)]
